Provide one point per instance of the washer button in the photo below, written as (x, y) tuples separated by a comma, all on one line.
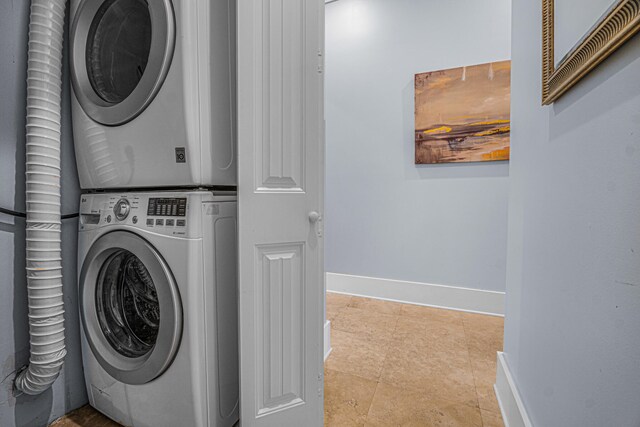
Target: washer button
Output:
[(108, 218), (134, 219), (159, 221), (169, 223), (150, 221), (181, 223)]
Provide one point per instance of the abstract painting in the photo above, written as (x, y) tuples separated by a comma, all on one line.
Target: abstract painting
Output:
[(463, 114)]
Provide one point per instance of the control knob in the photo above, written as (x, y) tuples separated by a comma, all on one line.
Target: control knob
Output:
[(121, 209)]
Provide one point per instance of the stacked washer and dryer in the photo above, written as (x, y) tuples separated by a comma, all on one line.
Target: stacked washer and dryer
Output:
[(153, 119)]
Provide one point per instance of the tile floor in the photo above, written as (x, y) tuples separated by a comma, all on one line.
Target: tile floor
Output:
[(398, 365), (84, 417), (405, 365)]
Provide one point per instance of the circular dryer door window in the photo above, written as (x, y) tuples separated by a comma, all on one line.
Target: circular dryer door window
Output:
[(118, 48), (121, 53), (130, 308)]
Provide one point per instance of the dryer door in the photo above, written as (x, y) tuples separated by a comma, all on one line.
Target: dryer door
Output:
[(121, 51), (130, 308)]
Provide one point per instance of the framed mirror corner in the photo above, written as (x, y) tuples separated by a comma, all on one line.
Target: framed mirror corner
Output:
[(578, 36)]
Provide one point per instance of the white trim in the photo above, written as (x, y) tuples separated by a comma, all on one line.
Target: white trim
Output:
[(327, 339), (441, 296), (513, 411)]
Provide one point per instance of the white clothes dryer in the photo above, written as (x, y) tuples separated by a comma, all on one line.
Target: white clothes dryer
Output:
[(158, 306), (153, 86)]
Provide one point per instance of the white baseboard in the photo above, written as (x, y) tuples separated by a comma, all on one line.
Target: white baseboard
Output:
[(451, 297), (327, 339), (513, 411)]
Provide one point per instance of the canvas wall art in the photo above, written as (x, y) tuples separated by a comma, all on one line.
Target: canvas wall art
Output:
[(463, 114)]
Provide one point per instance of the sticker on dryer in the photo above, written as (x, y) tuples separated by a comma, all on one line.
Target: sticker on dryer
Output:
[(181, 155)]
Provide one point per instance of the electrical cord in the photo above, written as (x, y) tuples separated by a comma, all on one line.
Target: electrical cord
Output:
[(24, 215)]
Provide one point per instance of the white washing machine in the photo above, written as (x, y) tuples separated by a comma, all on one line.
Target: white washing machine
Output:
[(153, 100), (158, 306)]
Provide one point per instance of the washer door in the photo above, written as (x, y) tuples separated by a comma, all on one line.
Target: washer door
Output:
[(130, 308), (121, 51)]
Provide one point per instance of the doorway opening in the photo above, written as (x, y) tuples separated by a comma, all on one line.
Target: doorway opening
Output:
[(415, 245)]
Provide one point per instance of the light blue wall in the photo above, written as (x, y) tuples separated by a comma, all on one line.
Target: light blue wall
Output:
[(68, 391), (572, 328), (385, 216)]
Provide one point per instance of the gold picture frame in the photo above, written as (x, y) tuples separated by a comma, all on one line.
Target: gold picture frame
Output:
[(620, 23)]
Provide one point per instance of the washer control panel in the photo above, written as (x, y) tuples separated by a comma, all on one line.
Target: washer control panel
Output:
[(167, 213), (176, 206), (170, 213)]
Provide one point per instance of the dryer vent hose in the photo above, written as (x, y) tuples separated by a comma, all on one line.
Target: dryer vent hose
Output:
[(44, 255)]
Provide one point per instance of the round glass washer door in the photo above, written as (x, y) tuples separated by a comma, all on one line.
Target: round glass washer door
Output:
[(121, 51), (130, 308)]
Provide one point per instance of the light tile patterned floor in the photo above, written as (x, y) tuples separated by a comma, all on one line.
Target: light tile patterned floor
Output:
[(398, 365), (405, 365)]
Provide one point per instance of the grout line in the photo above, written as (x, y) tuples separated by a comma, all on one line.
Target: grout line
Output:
[(384, 362), (388, 350), (473, 371), (372, 399)]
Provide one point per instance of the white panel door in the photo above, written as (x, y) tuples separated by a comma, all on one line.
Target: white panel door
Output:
[(280, 183)]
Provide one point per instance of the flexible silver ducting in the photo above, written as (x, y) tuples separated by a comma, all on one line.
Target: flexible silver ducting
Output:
[(44, 256)]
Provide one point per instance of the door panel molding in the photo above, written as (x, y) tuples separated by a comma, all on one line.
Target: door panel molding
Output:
[(281, 97), (280, 338)]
